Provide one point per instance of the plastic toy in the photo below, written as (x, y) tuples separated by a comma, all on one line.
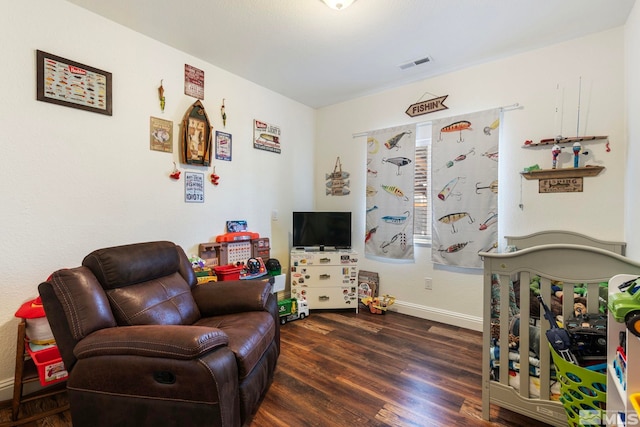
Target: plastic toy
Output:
[(378, 305), (625, 306), (292, 309)]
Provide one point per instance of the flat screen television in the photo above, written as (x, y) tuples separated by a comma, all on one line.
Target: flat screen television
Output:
[(322, 230)]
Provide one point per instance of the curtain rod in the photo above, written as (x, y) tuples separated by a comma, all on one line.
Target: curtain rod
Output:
[(511, 107)]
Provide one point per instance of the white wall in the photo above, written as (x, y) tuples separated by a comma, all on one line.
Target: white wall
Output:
[(73, 181), (632, 69), (530, 79)]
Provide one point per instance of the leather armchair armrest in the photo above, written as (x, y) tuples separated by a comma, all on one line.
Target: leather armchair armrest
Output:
[(168, 341), (232, 296)]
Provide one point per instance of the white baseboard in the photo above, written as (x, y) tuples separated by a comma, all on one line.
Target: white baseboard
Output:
[(438, 315), (6, 389)]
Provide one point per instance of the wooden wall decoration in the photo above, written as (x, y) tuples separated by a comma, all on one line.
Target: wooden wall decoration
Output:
[(196, 136)]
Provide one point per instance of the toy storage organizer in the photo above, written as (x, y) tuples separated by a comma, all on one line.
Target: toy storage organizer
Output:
[(577, 261), (44, 366)]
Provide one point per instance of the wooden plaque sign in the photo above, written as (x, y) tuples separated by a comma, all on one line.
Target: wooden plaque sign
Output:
[(560, 185)]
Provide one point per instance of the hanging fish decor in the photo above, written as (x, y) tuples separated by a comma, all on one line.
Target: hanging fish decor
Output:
[(447, 190), (453, 217), (397, 219), (398, 161), (492, 126), (370, 191), (493, 218), (392, 189), (337, 182), (493, 187), (372, 172), (338, 191), (456, 127), (394, 142), (372, 208), (453, 248), (403, 242)]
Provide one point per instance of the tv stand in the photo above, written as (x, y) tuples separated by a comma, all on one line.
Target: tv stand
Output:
[(327, 278)]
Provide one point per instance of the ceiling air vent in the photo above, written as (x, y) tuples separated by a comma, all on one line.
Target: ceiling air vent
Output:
[(414, 63)]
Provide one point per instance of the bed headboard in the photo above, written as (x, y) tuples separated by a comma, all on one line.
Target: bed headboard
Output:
[(564, 237)]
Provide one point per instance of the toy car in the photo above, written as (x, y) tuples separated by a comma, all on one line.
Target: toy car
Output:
[(625, 306)]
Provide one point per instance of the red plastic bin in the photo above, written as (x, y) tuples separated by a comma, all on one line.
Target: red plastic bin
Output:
[(228, 272), (49, 364)]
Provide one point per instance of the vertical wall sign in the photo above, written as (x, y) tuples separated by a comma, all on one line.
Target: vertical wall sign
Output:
[(194, 187), (161, 135), (223, 146), (266, 137), (193, 81)]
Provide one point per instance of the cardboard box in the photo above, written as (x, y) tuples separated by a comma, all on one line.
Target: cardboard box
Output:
[(279, 282)]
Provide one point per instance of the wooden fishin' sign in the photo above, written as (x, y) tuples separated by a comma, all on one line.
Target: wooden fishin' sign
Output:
[(560, 185), (425, 107)]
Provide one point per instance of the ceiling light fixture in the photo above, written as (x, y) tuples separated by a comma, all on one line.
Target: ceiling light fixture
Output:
[(338, 4)]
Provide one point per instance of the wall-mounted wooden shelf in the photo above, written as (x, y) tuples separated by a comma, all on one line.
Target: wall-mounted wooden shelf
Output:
[(570, 140), (563, 172)]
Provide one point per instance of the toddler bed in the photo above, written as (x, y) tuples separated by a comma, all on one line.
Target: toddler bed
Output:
[(547, 259)]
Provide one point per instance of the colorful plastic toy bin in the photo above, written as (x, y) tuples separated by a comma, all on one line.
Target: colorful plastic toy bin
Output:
[(583, 392), (49, 365), (228, 272)]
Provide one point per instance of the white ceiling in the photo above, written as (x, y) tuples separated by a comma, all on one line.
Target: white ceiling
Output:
[(320, 56)]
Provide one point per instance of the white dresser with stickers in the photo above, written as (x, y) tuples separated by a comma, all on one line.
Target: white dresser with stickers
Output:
[(326, 279)]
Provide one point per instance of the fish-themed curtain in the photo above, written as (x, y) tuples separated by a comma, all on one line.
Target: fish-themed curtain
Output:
[(390, 177), (464, 165)]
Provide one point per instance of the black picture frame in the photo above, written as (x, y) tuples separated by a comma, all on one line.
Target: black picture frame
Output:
[(72, 84)]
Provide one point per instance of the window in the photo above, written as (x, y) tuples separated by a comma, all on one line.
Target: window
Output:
[(422, 185)]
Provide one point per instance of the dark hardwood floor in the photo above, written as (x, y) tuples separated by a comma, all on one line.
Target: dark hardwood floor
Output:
[(343, 369)]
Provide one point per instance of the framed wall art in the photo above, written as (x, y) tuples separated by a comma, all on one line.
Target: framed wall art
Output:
[(196, 136), (72, 84)]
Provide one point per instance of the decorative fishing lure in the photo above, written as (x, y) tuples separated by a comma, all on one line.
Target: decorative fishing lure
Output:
[(398, 161), (492, 126), (493, 218), (460, 158), (372, 145), (370, 234), (492, 154), (393, 142), (397, 219), (371, 191), (453, 217), (446, 191), (456, 127), (493, 187), (403, 242), (392, 189), (372, 208), (454, 248)]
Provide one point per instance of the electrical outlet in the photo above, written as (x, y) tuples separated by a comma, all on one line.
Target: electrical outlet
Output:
[(428, 283)]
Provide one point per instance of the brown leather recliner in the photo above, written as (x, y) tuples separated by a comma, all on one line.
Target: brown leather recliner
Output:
[(145, 345)]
